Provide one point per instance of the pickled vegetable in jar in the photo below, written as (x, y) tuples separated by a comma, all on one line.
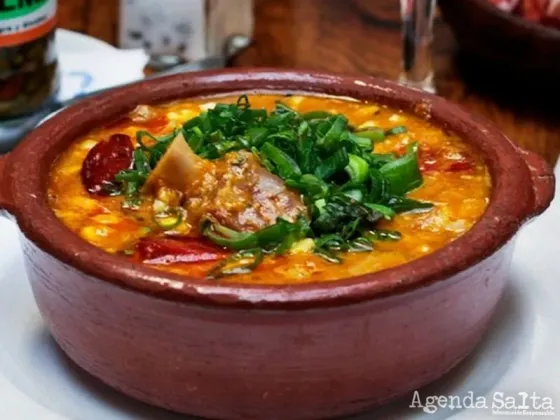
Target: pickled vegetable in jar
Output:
[(28, 64)]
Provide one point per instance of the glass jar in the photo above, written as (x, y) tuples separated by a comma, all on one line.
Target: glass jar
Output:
[(28, 66)]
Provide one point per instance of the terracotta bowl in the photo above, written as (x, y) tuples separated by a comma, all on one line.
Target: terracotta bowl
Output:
[(234, 351), (503, 45)]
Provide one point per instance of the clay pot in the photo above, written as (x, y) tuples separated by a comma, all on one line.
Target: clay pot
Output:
[(234, 351)]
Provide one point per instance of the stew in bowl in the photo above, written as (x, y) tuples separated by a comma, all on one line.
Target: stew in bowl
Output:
[(268, 188)]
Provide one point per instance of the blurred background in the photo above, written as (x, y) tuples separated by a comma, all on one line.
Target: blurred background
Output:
[(498, 58)]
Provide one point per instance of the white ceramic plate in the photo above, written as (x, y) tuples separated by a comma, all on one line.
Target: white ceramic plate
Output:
[(69, 41), (518, 354)]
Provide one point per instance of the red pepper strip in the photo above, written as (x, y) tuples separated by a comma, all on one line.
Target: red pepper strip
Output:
[(436, 161), (169, 251), (463, 164)]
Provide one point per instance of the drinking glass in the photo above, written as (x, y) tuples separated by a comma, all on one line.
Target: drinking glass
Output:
[(417, 19)]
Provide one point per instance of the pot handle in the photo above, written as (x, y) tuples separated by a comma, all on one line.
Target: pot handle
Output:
[(542, 179), (6, 204)]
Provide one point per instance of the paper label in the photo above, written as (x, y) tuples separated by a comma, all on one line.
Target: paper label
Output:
[(22, 21)]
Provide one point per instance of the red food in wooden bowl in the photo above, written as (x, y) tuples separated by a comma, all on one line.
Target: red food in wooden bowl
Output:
[(241, 351), (508, 39)]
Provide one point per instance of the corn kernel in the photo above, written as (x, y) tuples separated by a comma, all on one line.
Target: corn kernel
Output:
[(183, 228), (181, 115), (367, 111), (95, 234), (70, 170), (368, 124), (424, 249), (169, 196), (207, 106), (83, 203), (159, 206), (295, 101), (107, 219), (396, 118), (88, 144), (303, 246)]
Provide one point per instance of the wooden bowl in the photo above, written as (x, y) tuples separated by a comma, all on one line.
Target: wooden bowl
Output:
[(238, 351), (502, 44)]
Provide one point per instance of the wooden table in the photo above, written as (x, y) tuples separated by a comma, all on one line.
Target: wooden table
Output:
[(359, 36)]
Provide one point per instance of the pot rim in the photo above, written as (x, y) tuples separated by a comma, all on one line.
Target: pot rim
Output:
[(512, 202)]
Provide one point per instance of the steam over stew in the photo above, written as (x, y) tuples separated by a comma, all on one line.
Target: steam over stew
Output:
[(269, 189)]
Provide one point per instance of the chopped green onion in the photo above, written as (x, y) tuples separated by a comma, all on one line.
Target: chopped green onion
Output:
[(242, 262), (375, 134), (286, 166), (354, 194), (328, 256), (380, 159), (332, 164), (169, 219), (383, 235), (363, 143), (331, 137), (256, 135), (309, 184), (399, 129), (347, 187), (402, 174), (357, 169), (320, 204), (281, 108), (361, 244), (387, 212), (265, 238), (402, 204), (332, 242), (227, 237), (243, 102), (316, 115)]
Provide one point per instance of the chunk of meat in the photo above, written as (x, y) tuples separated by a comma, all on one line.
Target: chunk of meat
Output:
[(177, 168), (236, 190), (106, 159), (169, 251), (143, 116)]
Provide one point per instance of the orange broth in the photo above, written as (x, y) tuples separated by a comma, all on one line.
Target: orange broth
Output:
[(460, 193)]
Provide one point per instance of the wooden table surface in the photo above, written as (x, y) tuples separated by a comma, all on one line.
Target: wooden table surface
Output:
[(358, 36)]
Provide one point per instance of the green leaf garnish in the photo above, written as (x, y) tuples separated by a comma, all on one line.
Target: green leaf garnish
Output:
[(347, 187)]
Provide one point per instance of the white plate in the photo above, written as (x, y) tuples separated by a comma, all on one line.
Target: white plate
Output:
[(518, 354), (69, 41)]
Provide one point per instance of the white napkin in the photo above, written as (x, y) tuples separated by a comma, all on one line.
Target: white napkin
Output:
[(85, 71)]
